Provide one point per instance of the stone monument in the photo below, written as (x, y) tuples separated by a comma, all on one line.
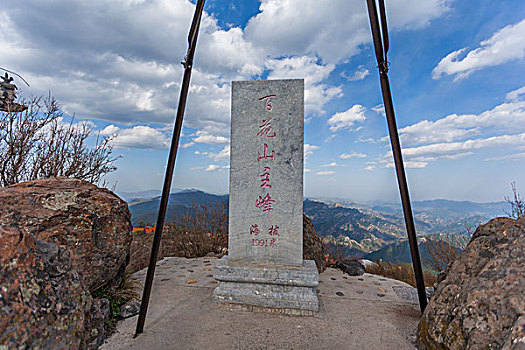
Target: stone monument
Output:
[(264, 268)]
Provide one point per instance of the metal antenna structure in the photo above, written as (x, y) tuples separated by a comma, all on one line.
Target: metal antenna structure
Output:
[(188, 63), (381, 45)]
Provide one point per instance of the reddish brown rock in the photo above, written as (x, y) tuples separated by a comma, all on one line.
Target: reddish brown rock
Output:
[(43, 301), (479, 302), (312, 245), (92, 223)]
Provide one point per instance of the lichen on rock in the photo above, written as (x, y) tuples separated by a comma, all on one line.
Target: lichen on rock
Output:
[(479, 302), (43, 301), (92, 223)]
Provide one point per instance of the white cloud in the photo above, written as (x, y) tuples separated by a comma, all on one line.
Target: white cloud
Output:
[(213, 167), (316, 95), (360, 74), (120, 61), (380, 109), (224, 154), (188, 144), (309, 149), (307, 170), (109, 130), (332, 29), (506, 117), (330, 165), (346, 120), (515, 94), (352, 155), (468, 145), (517, 156), (506, 45), (141, 137), (410, 164), (370, 167), (327, 172), (204, 137)]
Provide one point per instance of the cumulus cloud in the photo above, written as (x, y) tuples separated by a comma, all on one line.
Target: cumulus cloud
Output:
[(352, 155), (204, 137), (506, 45), (224, 154), (506, 117), (316, 95), (212, 167), (119, 60), (347, 119), (360, 74), (327, 172), (309, 149), (458, 147), (188, 144), (144, 137), (330, 165), (215, 167), (380, 109), (515, 94), (332, 29)]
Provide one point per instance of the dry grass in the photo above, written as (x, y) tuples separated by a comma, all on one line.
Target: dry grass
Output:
[(203, 230), (401, 272)]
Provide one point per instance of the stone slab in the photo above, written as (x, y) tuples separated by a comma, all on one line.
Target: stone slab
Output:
[(271, 286), (305, 275), (266, 172)]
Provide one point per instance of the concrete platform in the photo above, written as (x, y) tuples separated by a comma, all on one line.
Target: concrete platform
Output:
[(363, 312)]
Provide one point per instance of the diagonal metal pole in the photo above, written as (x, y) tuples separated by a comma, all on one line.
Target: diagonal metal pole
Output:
[(188, 63), (381, 49)]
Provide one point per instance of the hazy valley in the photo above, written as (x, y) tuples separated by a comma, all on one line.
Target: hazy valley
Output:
[(361, 230)]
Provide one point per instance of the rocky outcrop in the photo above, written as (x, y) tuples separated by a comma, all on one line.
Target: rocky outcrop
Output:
[(43, 302), (92, 223), (351, 267), (312, 245), (479, 302)]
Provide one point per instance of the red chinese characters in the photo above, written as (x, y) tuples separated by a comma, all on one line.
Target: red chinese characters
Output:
[(265, 155), (265, 202), (265, 130), (254, 230), (265, 178)]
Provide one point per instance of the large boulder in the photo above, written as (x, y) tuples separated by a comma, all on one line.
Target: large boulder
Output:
[(479, 302), (92, 223), (312, 245), (43, 301)]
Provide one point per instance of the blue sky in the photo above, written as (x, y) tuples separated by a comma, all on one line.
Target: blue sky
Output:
[(457, 72)]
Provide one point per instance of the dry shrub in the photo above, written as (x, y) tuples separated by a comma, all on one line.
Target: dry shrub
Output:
[(517, 205), (202, 230), (401, 272), (37, 144), (443, 249)]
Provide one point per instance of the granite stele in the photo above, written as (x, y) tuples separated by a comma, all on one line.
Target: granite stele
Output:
[(264, 269)]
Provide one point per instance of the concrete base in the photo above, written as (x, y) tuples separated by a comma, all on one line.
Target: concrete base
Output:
[(275, 287)]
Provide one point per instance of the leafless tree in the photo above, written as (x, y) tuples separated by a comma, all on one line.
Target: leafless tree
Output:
[(443, 249), (517, 205), (36, 144)]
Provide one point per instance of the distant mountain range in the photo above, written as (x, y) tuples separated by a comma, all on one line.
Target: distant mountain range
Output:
[(357, 230), (180, 203)]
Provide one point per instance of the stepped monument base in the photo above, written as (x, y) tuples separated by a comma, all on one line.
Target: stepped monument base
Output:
[(278, 288)]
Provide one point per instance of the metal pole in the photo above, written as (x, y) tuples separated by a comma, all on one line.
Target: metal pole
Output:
[(381, 45), (188, 63)]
